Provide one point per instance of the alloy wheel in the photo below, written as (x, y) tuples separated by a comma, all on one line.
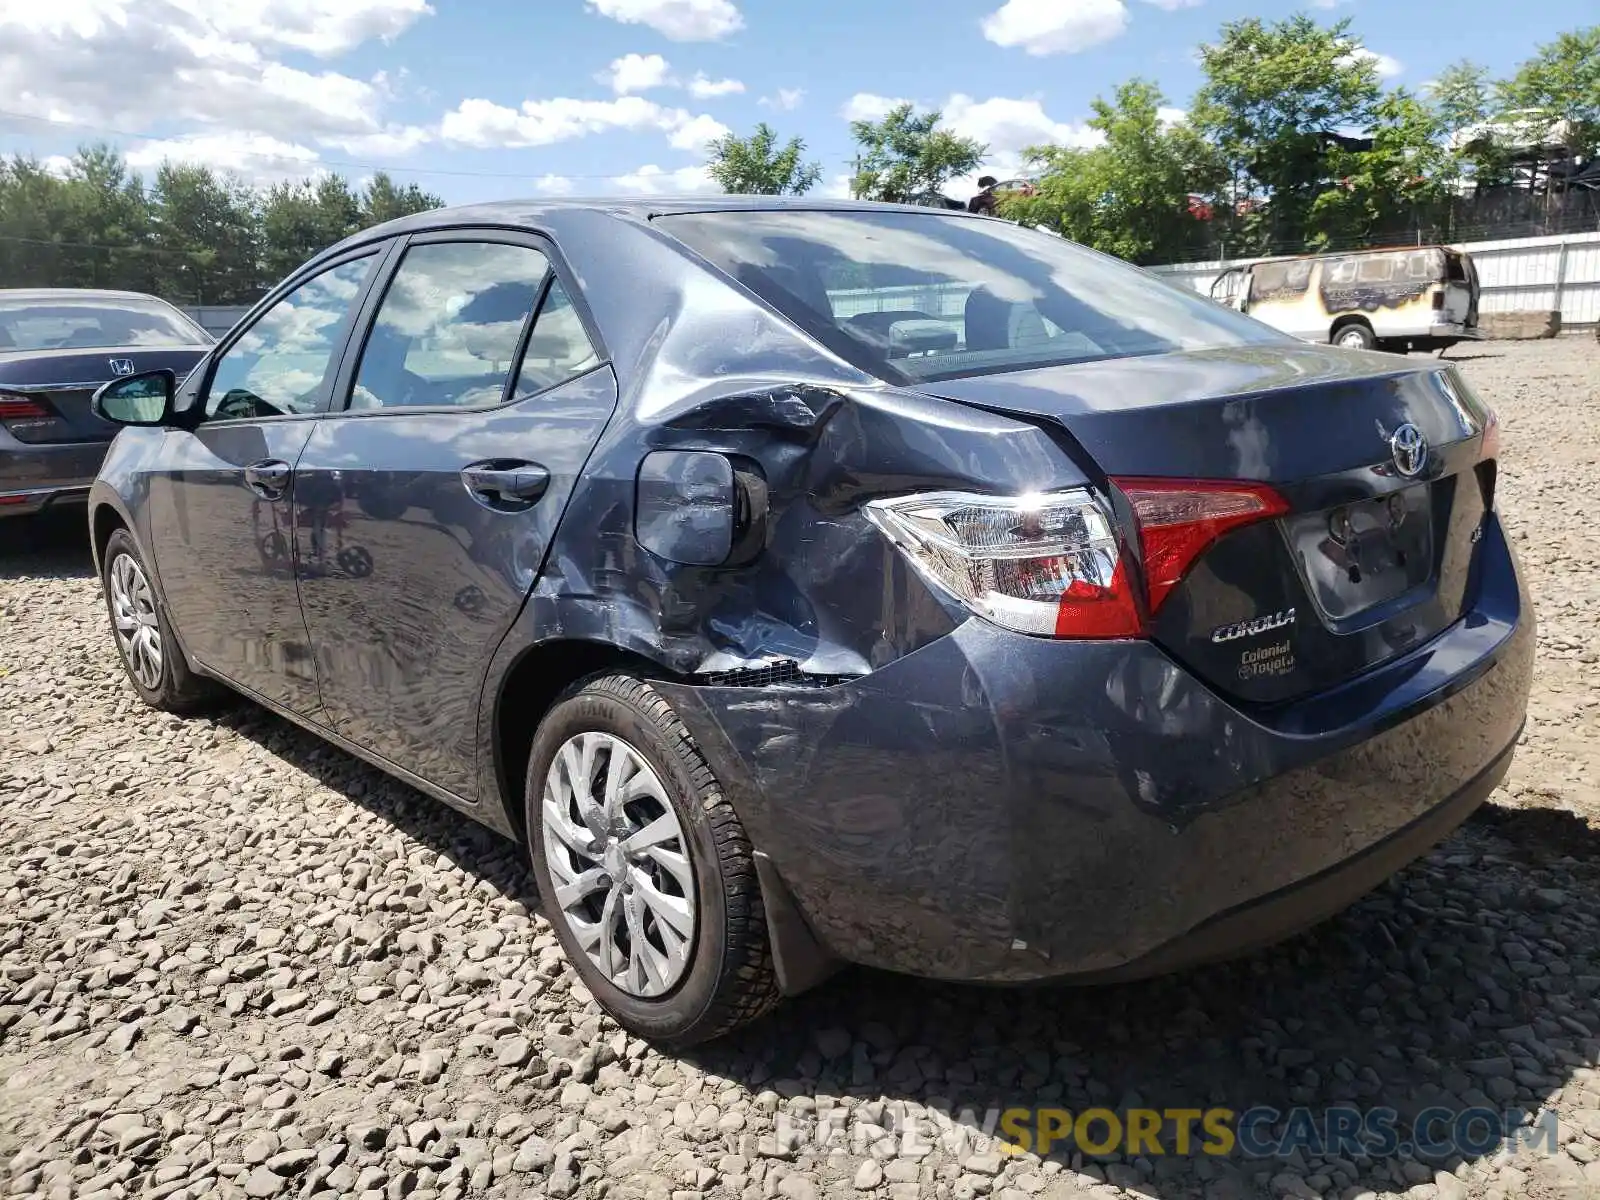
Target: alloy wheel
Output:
[(619, 863), (133, 614)]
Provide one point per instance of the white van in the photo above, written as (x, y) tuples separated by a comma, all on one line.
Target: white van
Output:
[(1415, 298)]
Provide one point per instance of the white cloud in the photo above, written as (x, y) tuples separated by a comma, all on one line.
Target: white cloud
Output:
[(654, 181), (703, 88), (394, 142), (697, 133), (1171, 116), (254, 156), (680, 20), (58, 165), (836, 187), (1326, 3), (1174, 5), (1387, 65), (634, 73), (209, 63), (866, 106), (1008, 126), (785, 99), (554, 185), (1055, 26), (483, 123)]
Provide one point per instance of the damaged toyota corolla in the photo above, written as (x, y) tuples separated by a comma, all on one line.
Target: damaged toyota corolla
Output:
[(809, 583)]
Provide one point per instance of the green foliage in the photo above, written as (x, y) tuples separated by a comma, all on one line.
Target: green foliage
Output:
[(189, 233), (1563, 81), (755, 166), (906, 154), (1128, 196), (1400, 181), (1270, 93)]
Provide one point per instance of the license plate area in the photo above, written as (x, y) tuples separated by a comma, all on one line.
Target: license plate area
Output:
[(1354, 557)]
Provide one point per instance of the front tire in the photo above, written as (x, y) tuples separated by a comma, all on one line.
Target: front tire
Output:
[(150, 654), (1357, 335), (643, 867)]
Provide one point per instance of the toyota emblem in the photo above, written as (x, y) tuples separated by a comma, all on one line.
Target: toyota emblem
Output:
[(1410, 450)]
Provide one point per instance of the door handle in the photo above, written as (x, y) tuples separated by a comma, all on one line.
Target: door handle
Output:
[(268, 478), (506, 483)]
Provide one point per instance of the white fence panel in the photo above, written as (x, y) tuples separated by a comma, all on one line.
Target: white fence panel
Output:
[(1520, 273)]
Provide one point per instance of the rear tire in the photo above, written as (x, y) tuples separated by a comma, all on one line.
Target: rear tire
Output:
[(1355, 335), (703, 966), (150, 654)]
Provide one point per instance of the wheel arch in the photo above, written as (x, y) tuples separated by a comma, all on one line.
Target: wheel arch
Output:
[(529, 688), (105, 519), (1347, 320)]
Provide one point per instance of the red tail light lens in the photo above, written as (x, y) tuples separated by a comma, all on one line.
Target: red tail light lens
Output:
[(20, 408), (1179, 518)]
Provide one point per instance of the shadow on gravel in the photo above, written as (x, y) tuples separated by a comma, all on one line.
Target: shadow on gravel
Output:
[(1470, 981), (52, 546)]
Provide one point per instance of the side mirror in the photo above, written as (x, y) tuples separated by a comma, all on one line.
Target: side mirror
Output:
[(144, 400)]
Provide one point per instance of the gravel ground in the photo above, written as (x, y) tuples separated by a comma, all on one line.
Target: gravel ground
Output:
[(235, 961)]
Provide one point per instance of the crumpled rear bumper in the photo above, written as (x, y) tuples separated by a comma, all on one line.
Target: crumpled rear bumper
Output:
[(999, 807)]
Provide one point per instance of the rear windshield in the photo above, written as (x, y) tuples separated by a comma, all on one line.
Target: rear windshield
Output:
[(94, 324), (912, 296)]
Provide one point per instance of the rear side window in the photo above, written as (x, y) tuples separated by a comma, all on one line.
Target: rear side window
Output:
[(1378, 268), (558, 348), (448, 330), (923, 296)]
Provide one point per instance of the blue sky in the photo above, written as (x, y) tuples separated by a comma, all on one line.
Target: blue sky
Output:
[(499, 98)]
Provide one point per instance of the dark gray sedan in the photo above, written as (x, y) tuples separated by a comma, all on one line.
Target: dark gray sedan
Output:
[(807, 583), (57, 345)]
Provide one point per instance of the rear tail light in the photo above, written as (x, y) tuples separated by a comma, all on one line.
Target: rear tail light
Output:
[(1051, 564), (1179, 518), (20, 408), (1048, 564)]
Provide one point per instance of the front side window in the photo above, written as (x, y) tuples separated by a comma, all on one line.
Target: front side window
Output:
[(449, 327), (277, 368), (912, 296)]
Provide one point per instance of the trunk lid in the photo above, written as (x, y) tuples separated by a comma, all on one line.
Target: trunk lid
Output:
[(45, 394), (1372, 558)]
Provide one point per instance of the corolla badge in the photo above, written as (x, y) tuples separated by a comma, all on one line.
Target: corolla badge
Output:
[(1410, 449), (1243, 629), (122, 366)]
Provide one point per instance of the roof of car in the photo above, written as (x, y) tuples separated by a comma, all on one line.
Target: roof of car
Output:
[(653, 206), (48, 294), (549, 213)]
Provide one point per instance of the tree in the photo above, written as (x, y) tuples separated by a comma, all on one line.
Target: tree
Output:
[(206, 230), (384, 200), (1463, 99), (1462, 96), (1130, 195), (1402, 180), (1270, 95), (300, 220), (755, 166), (1563, 81), (906, 155)]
